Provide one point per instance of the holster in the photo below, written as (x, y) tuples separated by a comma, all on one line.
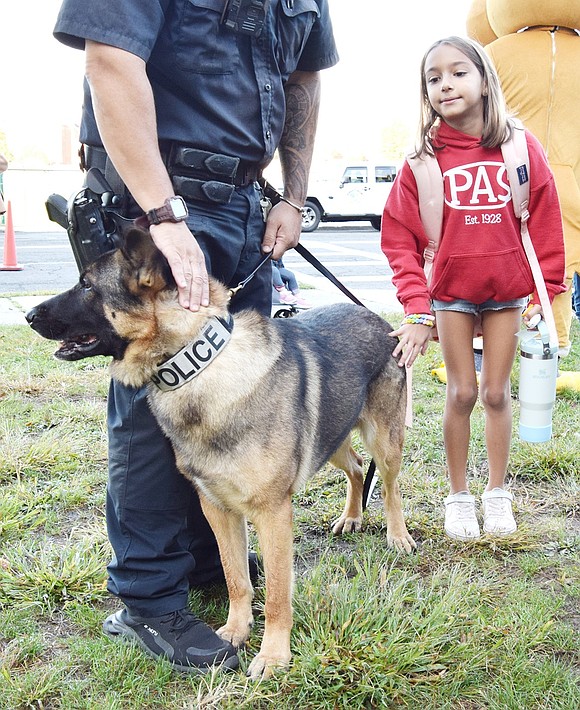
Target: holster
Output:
[(91, 219)]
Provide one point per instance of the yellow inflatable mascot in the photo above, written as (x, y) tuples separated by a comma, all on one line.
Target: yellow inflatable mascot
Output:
[(535, 46)]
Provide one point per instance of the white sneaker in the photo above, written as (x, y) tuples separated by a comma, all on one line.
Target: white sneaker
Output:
[(498, 518), (460, 520)]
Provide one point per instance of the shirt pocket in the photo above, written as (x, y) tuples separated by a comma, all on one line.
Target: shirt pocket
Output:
[(294, 23), (202, 44)]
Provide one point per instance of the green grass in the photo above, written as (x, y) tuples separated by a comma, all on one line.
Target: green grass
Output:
[(488, 625)]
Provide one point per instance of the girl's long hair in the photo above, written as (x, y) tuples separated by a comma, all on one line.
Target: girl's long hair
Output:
[(497, 127)]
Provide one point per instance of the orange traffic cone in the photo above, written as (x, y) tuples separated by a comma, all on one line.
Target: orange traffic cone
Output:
[(9, 243)]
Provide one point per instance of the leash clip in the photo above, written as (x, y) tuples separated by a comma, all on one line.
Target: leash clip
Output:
[(232, 291)]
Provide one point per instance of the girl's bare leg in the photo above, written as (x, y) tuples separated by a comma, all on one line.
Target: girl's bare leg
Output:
[(455, 332), (499, 342)]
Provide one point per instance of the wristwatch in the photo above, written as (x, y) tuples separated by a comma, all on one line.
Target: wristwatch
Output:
[(173, 209)]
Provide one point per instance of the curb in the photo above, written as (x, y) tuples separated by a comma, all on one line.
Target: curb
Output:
[(13, 309)]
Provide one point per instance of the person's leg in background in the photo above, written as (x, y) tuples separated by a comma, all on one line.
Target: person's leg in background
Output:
[(289, 279), (280, 293)]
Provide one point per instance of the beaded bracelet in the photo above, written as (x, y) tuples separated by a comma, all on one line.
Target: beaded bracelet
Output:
[(419, 319), (292, 204)]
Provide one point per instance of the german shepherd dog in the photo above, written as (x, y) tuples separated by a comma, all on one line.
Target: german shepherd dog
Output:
[(245, 448)]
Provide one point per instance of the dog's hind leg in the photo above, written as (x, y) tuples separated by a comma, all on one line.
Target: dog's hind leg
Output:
[(231, 533), (273, 525), (383, 436), (351, 463)]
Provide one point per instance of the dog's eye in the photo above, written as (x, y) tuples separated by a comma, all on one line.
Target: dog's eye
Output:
[(85, 285)]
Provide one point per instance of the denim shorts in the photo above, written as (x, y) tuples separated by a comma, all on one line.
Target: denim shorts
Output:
[(477, 308)]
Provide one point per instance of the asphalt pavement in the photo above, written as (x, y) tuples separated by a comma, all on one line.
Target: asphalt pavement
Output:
[(351, 253)]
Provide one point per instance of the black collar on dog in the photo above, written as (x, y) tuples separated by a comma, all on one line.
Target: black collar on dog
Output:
[(195, 356)]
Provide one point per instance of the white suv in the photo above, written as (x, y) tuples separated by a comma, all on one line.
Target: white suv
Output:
[(360, 194)]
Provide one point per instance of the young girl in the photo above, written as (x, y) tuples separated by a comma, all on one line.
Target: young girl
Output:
[(480, 269)]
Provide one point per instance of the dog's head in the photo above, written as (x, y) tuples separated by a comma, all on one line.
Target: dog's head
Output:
[(110, 305)]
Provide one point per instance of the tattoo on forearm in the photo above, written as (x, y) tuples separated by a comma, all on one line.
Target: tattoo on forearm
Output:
[(297, 142)]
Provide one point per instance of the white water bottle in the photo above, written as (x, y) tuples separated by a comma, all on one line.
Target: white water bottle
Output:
[(538, 372)]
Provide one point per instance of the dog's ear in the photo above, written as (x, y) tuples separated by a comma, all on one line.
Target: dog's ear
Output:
[(151, 266)]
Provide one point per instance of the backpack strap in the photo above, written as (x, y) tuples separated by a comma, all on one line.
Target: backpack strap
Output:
[(431, 196), (517, 162)]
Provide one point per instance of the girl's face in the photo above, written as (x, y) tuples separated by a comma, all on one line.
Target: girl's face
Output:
[(455, 89)]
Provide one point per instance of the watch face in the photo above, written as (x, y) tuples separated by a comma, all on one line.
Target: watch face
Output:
[(178, 208)]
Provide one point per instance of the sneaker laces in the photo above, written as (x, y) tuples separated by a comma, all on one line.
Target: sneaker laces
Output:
[(180, 622), (497, 507), (463, 510)]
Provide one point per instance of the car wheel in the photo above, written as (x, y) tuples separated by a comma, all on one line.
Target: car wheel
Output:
[(376, 222), (310, 216)]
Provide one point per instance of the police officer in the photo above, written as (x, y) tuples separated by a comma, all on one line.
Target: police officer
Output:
[(185, 103)]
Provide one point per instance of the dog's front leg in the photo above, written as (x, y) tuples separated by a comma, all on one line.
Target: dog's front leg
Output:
[(274, 529), (231, 533)]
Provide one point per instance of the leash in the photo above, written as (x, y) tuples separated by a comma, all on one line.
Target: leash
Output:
[(240, 286), (309, 256)]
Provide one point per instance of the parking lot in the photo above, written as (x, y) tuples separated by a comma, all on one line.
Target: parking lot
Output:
[(351, 252)]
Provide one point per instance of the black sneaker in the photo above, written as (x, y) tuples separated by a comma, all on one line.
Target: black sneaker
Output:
[(185, 641)]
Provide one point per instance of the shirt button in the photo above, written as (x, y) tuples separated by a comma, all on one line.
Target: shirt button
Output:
[(268, 134), (268, 87)]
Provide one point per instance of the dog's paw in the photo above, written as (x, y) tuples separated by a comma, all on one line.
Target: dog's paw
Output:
[(236, 636), (346, 524), (402, 542), (263, 666)]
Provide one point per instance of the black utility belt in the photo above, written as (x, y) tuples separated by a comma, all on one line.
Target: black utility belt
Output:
[(211, 177), (196, 174)]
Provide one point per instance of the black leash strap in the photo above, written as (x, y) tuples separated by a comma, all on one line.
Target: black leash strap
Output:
[(369, 483), (305, 254)]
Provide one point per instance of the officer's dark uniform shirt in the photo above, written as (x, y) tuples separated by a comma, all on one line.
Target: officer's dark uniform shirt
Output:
[(214, 89)]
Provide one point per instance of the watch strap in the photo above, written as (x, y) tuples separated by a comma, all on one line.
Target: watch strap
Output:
[(165, 213)]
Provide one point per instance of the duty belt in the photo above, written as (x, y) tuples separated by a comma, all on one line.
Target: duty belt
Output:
[(196, 174), (210, 177)]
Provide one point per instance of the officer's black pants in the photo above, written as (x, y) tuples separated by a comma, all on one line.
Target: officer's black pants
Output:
[(160, 539)]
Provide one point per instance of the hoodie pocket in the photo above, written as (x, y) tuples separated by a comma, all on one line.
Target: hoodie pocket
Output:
[(501, 276)]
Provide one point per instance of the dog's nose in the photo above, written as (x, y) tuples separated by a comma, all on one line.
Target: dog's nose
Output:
[(32, 314)]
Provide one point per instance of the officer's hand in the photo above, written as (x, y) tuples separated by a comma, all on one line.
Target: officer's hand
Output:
[(413, 340), (186, 261), (283, 229)]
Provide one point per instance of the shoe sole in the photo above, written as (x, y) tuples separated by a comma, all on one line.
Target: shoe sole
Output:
[(463, 538), (502, 533), (115, 629)]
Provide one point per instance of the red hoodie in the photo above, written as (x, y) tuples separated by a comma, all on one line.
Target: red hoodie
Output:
[(480, 254)]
